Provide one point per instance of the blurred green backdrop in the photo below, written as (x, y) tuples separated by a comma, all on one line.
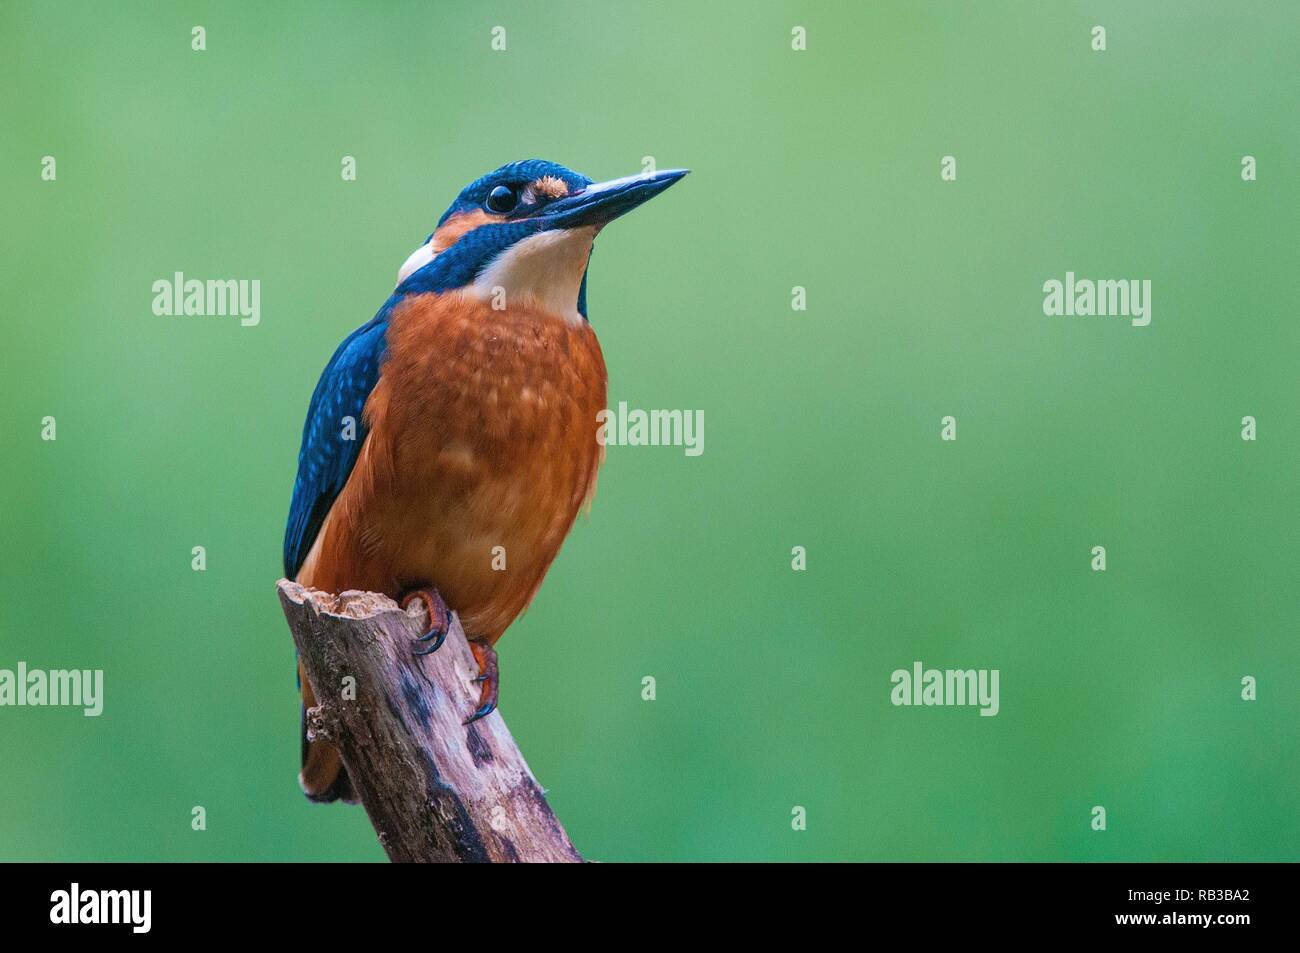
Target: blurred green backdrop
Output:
[(817, 168)]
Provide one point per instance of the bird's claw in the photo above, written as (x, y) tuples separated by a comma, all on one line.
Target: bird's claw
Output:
[(440, 623), (437, 635), (437, 609), (489, 677), (483, 711)]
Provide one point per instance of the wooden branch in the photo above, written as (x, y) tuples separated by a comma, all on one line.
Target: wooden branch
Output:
[(435, 789)]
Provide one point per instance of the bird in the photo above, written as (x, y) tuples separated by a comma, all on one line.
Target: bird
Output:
[(459, 424)]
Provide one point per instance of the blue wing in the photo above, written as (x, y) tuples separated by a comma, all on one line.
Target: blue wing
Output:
[(326, 458)]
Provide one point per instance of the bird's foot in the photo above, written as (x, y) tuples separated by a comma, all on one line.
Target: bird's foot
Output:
[(488, 677), (440, 618)]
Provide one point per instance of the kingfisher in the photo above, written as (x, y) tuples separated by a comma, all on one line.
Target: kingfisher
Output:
[(456, 430)]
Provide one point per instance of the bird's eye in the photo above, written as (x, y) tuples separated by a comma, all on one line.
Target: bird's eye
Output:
[(501, 199)]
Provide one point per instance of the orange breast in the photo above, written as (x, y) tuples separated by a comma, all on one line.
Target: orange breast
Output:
[(482, 450)]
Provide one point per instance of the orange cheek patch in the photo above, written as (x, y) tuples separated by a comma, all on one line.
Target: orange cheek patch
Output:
[(456, 226), (551, 187)]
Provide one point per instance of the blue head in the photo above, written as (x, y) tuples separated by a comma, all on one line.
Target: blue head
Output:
[(522, 234)]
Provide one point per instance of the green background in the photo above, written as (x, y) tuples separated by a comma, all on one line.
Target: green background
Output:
[(816, 168)]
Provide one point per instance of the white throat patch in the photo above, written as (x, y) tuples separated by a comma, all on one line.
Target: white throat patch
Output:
[(543, 271), (415, 261)]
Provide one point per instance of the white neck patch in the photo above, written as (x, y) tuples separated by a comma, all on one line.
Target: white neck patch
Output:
[(543, 271), (415, 261)]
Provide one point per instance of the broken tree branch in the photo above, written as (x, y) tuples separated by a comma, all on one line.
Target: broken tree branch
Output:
[(435, 789)]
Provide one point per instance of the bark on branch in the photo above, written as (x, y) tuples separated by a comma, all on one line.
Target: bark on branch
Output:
[(435, 789)]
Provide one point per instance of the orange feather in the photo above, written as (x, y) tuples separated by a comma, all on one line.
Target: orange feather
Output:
[(482, 434)]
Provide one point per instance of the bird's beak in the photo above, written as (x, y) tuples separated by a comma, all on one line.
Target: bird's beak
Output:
[(602, 202)]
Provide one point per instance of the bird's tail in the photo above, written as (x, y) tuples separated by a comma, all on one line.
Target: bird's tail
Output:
[(323, 776)]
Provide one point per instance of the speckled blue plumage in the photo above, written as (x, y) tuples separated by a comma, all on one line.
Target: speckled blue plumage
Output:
[(512, 174), (325, 459)]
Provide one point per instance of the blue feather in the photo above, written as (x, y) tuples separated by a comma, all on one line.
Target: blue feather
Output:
[(512, 174), (326, 458)]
